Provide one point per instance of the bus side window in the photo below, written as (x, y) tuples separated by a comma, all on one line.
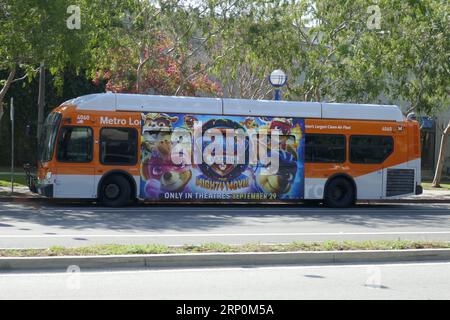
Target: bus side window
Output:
[(118, 146), (325, 148), (370, 149), (75, 144)]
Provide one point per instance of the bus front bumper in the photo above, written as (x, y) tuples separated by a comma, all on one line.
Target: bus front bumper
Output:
[(45, 190)]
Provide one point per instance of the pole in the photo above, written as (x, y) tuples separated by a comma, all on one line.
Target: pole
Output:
[(12, 144), (41, 101), (277, 94)]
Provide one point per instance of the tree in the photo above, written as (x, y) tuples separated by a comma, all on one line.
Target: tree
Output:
[(354, 51), (418, 60), (333, 51), (162, 75), (322, 48), (242, 55), (164, 47), (40, 31)]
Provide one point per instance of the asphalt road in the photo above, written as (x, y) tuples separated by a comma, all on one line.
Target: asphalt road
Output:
[(395, 281), (37, 225)]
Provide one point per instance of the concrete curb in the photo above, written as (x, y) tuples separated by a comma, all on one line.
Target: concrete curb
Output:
[(203, 260)]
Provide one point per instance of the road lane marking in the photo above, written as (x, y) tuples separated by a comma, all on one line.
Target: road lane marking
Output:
[(181, 235)]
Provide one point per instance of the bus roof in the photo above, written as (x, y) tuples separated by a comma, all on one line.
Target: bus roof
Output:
[(242, 107)]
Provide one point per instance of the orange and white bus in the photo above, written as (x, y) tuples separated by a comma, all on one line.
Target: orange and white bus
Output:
[(114, 148)]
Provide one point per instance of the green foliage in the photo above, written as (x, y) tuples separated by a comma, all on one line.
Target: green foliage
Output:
[(325, 46), (330, 53), (417, 50), (162, 47), (25, 100), (35, 31)]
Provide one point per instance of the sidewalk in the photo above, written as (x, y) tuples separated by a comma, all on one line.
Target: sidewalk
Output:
[(430, 195), (23, 193), (20, 193)]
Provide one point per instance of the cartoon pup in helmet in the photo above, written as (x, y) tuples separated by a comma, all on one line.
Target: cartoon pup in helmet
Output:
[(249, 123), (189, 121), (163, 176), (156, 125), (282, 124), (280, 182)]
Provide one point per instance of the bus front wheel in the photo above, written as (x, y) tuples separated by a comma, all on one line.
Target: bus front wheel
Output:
[(115, 191), (339, 193)]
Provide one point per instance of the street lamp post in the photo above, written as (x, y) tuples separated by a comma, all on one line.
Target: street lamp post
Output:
[(278, 79)]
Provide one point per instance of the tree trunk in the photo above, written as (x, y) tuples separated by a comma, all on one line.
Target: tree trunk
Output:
[(5, 88), (142, 61), (441, 159), (139, 78)]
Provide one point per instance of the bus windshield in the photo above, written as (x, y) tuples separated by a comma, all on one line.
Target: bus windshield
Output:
[(48, 137)]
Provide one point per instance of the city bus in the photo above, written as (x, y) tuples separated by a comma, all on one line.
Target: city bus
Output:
[(114, 148)]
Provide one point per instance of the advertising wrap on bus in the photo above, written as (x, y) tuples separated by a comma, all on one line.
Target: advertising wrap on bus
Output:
[(237, 146)]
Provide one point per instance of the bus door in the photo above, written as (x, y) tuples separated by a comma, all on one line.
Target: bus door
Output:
[(397, 179), (367, 156), (75, 173)]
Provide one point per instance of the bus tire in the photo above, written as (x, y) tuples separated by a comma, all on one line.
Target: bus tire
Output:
[(115, 191), (339, 193)]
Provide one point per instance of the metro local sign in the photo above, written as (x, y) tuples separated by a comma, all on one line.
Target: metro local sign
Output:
[(119, 121)]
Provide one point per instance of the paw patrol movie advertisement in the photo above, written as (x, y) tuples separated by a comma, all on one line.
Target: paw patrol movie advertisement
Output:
[(233, 180)]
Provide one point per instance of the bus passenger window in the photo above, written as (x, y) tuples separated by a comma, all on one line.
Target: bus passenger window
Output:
[(118, 146), (370, 149), (75, 144), (325, 148)]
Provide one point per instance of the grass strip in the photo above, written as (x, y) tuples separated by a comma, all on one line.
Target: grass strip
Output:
[(427, 186), (116, 249), (19, 180)]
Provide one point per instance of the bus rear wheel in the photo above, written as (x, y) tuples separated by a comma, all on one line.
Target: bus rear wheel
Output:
[(115, 191), (339, 193)]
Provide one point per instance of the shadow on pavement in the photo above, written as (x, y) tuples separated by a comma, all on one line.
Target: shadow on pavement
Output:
[(208, 217)]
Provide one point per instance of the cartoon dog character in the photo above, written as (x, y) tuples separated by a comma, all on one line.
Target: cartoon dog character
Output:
[(189, 121), (282, 124), (161, 143), (280, 182), (163, 176), (250, 123), (156, 125), (155, 121)]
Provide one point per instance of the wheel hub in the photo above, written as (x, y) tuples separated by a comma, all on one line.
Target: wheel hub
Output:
[(338, 193), (112, 191)]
